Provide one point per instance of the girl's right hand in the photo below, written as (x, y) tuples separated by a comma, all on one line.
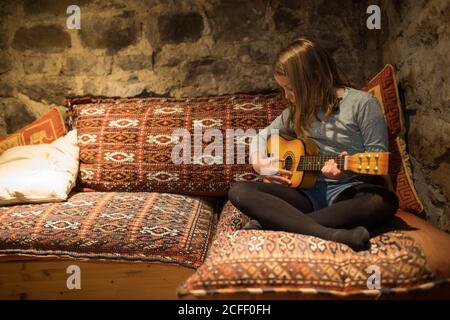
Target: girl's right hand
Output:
[(269, 169)]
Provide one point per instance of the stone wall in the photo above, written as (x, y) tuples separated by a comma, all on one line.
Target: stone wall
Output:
[(169, 48), (417, 43)]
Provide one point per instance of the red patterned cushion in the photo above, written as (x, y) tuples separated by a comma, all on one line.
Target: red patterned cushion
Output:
[(384, 87), (144, 226), (261, 261), (126, 144)]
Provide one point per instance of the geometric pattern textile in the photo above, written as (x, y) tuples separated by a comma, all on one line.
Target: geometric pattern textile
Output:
[(263, 261), (46, 129), (384, 87), (126, 144), (162, 227)]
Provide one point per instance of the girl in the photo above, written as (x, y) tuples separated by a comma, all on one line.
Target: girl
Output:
[(342, 121)]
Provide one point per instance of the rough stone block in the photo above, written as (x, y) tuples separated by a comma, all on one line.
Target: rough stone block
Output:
[(42, 38), (3, 37), (16, 114), (429, 143), (256, 52), (77, 65), (134, 62), (50, 7), (49, 89), (40, 64), (6, 90), (5, 62), (112, 34), (232, 21), (286, 21), (180, 27), (197, 69)]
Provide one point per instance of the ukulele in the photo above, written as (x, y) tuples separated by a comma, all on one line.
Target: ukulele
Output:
[(303, 160)]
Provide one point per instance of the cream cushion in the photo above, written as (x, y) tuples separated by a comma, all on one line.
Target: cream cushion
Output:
[(39, 173)]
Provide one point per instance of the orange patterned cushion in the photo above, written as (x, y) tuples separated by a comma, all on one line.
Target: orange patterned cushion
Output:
[(384, 87), (46, 129), (265, 262)]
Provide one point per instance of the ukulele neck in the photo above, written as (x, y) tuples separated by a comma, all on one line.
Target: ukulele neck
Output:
[(316, 163)]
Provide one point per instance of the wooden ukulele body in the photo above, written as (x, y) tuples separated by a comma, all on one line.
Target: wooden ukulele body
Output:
[(292, 149)]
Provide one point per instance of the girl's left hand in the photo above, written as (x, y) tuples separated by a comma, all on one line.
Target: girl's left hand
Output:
[(330, 169)]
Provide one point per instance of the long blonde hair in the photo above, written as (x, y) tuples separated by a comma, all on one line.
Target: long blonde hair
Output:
[(314, 76)]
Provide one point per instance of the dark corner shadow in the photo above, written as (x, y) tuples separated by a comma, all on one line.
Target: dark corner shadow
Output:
[(396, 224), (217, 201)]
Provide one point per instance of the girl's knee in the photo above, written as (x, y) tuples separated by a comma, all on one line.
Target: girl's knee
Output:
[(382, 202), (389, 199)]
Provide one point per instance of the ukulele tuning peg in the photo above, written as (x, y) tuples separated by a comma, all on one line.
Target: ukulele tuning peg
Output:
[(368, 156), (368, 168), (376, 169)]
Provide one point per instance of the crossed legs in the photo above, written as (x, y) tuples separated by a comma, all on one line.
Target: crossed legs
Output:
[(281, 208)]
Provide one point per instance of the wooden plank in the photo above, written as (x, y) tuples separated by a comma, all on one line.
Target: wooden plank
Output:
[(99, 280)]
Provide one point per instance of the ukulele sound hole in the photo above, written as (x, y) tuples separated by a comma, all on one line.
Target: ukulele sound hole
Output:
[(288, 163)]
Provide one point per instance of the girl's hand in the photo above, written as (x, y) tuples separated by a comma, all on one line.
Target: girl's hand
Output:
[(268, 168), (330, 169)]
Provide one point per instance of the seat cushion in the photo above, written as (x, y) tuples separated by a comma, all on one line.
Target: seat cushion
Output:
[(162, 227), (405, 254)]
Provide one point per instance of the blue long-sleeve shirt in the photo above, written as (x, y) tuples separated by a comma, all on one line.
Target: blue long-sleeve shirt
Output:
[(358, 126)]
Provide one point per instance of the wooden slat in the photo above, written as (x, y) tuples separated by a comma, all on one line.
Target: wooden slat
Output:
[(112, 280)]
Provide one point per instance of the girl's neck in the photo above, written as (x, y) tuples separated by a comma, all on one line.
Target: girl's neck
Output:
[(340, 92)]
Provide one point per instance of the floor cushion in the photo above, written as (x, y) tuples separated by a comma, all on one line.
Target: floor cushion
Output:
[(407, 254), (112, 226)]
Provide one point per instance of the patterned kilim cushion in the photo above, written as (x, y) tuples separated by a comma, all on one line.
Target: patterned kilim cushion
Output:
[(162, 227), (384, 87), (126, 144), (260, 261), (46, 129)]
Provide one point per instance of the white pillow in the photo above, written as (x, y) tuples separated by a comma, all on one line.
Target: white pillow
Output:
[(39, 173)]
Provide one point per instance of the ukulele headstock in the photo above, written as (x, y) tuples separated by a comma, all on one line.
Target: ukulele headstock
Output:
[(376, 163)]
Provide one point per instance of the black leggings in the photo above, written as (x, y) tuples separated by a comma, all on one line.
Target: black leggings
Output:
[(282, 208)]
